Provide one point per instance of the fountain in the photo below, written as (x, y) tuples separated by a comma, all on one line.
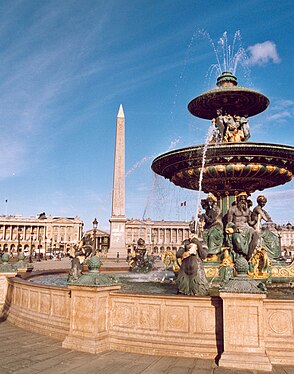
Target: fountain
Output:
[(233, 166)]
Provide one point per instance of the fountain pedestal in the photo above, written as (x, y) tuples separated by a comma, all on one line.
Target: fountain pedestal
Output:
[(89, 330), (3, 287), (244, 340)]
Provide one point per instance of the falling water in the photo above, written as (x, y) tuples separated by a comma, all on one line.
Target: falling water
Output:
[(138, 164), (208, 137)]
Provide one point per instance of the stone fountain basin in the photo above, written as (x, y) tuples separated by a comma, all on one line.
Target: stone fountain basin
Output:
[(229, 168), (98, 319)]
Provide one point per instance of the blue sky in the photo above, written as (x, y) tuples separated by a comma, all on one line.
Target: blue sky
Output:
[(67, 65)]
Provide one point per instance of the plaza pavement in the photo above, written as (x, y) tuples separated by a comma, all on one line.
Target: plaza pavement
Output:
[(25, 352)]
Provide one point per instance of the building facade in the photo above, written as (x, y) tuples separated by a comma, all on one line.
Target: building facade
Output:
[(159, 236), (42, 234), (285, 234)]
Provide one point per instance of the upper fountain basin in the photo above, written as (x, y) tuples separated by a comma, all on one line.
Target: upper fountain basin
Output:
[(231, 99)]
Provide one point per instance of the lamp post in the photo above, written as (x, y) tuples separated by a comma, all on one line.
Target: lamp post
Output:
[(50, 252), (18, 239), (39, 254), (45, 239), (95, 225), (31, 248), (279, 229)]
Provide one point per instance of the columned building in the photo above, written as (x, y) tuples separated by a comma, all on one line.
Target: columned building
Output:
[(159, 236), (39, 234), (285, 234)]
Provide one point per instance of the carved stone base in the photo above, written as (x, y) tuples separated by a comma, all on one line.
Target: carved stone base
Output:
[(89, 330), (252, 361), (244, 339)]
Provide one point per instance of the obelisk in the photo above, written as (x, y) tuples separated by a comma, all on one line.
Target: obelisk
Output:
[(118, 219)]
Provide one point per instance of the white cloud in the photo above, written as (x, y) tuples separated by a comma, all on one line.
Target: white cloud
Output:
[(263, 53), (281, 111)]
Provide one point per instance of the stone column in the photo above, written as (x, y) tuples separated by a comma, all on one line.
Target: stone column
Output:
[(118, 219), (243, 320)]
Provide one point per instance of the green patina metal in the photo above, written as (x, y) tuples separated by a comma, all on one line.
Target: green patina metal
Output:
[(94, 277), (5, 267), (22, 264), (232, 167), (226, 76), (242, 283)]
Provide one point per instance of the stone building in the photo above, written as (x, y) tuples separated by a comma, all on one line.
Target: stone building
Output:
[(285, 233), (41, 234), (102, 239), (159, 236)]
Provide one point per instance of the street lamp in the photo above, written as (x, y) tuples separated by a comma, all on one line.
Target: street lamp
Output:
[(39, 254), (31, 247), (95, 225), (45, 240), (51, 240), (18, 239)]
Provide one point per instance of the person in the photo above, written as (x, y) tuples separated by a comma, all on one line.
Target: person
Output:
[(117, 257), (242, 236), (191, 279), (213, 228)]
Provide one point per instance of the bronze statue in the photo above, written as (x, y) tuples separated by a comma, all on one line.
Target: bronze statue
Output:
[(140, 262), (219, 127), (213, 228), (79, 254), (268, 239), (242, 236), (259, 213), (191, 279), (228, 128)]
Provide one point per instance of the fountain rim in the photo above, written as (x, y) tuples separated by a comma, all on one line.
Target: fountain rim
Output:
[(218, 91), (223, 146)]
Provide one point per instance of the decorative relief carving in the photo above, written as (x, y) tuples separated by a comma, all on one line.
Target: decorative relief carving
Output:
[(280, 322), (24, 298), (204, 320), (149, 317), (34, 300), (123, 314), (211, 272), (177, 319), (283, 271), (44, 302), (58, 303)]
